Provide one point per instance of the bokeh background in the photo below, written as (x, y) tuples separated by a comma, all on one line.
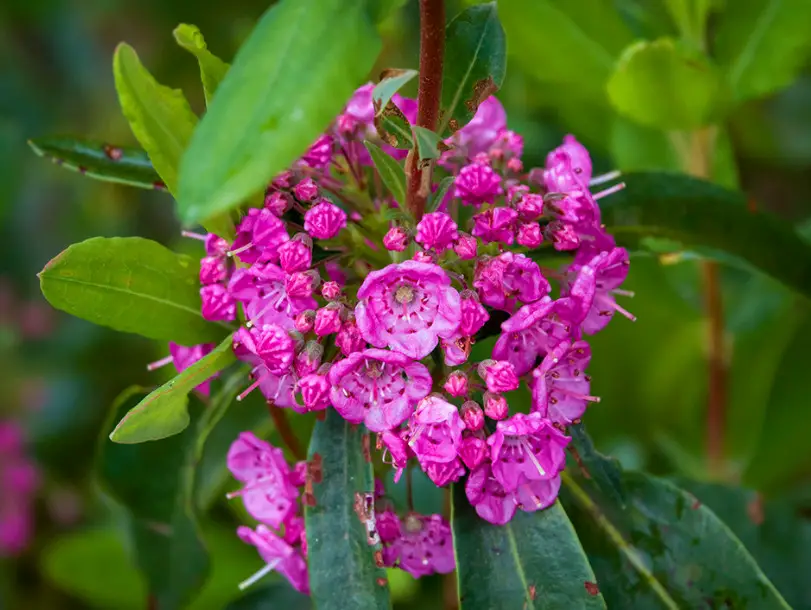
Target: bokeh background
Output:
[(60, 375)]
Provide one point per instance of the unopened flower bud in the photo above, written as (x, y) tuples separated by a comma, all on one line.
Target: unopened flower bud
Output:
[(472, 415), (396, 239), (474, 315), (306, 190), (530, 207), (314, 392), (466, 246), (308, 359), (304, 321), (473, 451), (331, 291), (295, 255), (499, 375), (349, 339), (436, 230), (421, 256), (328, 320), (212, 270), (530, 235), (324, 220), (277, 202), (456, 384), (495, 406), (299, 285)]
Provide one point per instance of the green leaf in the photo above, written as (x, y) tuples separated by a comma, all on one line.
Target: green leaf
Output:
[(710, 219), (475, 63), (390, 171), (132, 285), (391, 81), (165, 411), (604, 471), (342, 566), (442, 190), (534, 561), (161, 120), (104, 162), (665, 84), (665, 550), (584, 36), (278, 595), (212, 68), (428, 143), (153, 482), (763, 44), (312, 55)]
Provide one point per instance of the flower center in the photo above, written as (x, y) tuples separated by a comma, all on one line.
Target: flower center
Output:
[(412, 524), (404, 294)]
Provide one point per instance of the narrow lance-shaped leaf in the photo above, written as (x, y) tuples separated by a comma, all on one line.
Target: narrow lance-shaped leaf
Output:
[(535, 561), (162, 121), (312, 55), (342, 566), (605, 472), (132, 285), (391, 81), (436, 199), (390, 171), (165, 411), (429, 144), (701, 215), (104, 162), (475, 63), (212, 68)]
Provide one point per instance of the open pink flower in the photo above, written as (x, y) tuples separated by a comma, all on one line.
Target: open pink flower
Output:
[(435, 430), (508, 278), (278, 555), (494, 504), (424, 546), (561, 388), (408, 307), (483, 129), (264, 289), (269, 344), (578, 155), (259, 235), (378, 387)]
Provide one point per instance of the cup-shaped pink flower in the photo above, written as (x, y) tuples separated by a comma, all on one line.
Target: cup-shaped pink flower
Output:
[(378, 387), (425, 545), (488, 497), (608, 270), (408, 307), (270, 344), (560, 391), (435, 430)]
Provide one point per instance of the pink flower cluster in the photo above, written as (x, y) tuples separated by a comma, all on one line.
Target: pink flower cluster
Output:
[(19, 481), (389, 344)]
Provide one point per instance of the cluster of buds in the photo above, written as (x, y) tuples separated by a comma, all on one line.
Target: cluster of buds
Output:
[(19, 481), (340, 308)]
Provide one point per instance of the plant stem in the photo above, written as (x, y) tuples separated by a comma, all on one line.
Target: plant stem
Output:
[(432, 52), (285, 431), (409, 489)]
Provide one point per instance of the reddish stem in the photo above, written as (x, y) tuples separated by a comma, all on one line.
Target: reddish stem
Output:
[(432, 52), (285, 431), (717, 390)]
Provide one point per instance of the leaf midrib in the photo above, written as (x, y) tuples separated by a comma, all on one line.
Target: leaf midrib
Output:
[(529, 602)]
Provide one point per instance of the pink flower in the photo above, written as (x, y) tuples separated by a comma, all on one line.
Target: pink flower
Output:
[(577, 153), (473, 314), (296, 255), (577, 207), (378, 387), (473, 416), (507, 278), (561, 388), (269, 495), (184, 357), (435, 430), (476, 184), (213, 269), (473, 451), (562, 235), (495, 225), (299, 285), (609, 270), (306, 190), (444, 473), (268, 344), (398, 449), (217, 304), (530, 235), (530, 207), (526, 448), (396, 239), (278, 390), (560, 175), (328, 320), (278, 555), (278, 203), (532, 331), (494, 504), (465, 246), (408, 307), (305, 321), (456, 384), (349, 339), (424, 546), (331, 291), (263, 288), (319, 154), (456, 349), (308, 359), (495, 406), (259, 235), (315, 390), (324, 220), (216, 245), (499, 375), (484, 128), (436, 230)]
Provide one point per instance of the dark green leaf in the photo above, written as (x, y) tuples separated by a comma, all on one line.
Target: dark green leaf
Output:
[(391, 81), (665, 550), (535, 561), (584, 36), (393, 127), (605, 472), (133, 285), (342, 566), (101, 161), (272, 597), (475, 63), (164, 412), (161, 120), (437, 198), (665, 84), (212, 68), (763, 44), (428, 143), (381, 10), (312, 54), (390, 172), (702, 215)]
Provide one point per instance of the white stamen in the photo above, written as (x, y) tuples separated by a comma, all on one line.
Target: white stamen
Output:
[(259, 575), (610, 191), (622, 293), (192, 235), (159, 363), (602, 179), (240, 249), (526, 446)]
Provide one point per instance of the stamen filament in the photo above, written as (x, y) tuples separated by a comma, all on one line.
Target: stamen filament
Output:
[(192, 235), (159, 363), (610, 191), (259, 575), (603, 178)]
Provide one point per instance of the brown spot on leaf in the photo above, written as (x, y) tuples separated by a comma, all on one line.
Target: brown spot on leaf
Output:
[(82, 169), (379, 558), (453, 125), (367, 452), (315, 468), (113, 152), (531, 590), (482, 89), (382, 581), (160, 185), (576, 455), (592, 588), (755, 509), (696, 504), (391, 73), (308, 499)]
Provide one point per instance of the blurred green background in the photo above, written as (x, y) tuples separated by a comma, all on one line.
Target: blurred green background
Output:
[(60, 374)]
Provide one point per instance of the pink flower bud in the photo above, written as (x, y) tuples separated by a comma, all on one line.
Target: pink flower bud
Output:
[(515, 165), (314, 392), (270, 343), (562, 235), (319, 155), (349, 339), (331, 291), (328, 320), (308, 359), (473, 451), (456, 384), (217, 304), (515, 192), (216, 245), (476, 184), (283, 180), (295, 255), (495, 406), (499, 375), (299, 285), (466, 246), (277, 202), (396, 239), (530, 235), (530, 207), (436, 230), (304, 321), (324, 220), (474, 315), (421, 256), (472, 415), (306, 190), (495, 225), (212, 270)]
